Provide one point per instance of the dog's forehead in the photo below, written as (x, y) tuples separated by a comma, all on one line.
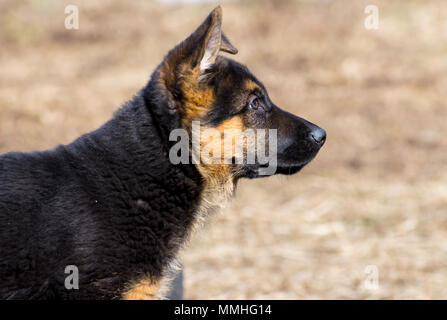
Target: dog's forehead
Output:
[(239, 76)]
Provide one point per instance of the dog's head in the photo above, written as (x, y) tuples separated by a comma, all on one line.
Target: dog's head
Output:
[(202, 90)]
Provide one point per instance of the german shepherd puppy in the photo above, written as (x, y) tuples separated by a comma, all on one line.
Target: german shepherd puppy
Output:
[(111, 206)]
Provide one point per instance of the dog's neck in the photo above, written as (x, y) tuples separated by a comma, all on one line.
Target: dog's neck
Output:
[(217, 188)]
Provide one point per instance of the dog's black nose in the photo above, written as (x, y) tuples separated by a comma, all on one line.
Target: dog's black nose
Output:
[(319, 136)]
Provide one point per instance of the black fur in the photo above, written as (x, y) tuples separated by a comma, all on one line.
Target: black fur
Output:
[(110, 203)]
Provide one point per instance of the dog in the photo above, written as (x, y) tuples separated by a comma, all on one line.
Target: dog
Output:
[(109, 212)]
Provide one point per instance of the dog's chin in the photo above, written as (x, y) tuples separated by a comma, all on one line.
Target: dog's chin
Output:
[(289, 170), (256, 171)]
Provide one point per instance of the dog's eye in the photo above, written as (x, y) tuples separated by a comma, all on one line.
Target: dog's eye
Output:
[(254, 103)]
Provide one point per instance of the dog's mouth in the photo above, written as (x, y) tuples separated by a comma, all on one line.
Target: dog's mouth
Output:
[(259, 171), (286, 165)]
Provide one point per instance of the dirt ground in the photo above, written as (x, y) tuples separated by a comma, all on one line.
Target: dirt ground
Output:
[(374, 199)]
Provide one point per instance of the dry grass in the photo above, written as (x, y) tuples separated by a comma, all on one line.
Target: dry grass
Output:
[(376, 194)]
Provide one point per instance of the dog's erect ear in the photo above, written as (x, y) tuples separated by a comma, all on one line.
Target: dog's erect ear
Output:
[(226, 45), (212, 40), (207, 41), (201, 48), (198, 52)]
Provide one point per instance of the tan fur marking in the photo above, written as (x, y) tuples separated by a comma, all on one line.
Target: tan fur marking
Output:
[(220, 172), (218, 190), (232, 123), (250, 85), (198, 98), (218, 178), (145, 289)]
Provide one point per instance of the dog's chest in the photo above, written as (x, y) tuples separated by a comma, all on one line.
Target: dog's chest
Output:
[(215, 196)]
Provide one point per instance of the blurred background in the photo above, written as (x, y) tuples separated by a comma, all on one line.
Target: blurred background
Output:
[(375, 198)]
